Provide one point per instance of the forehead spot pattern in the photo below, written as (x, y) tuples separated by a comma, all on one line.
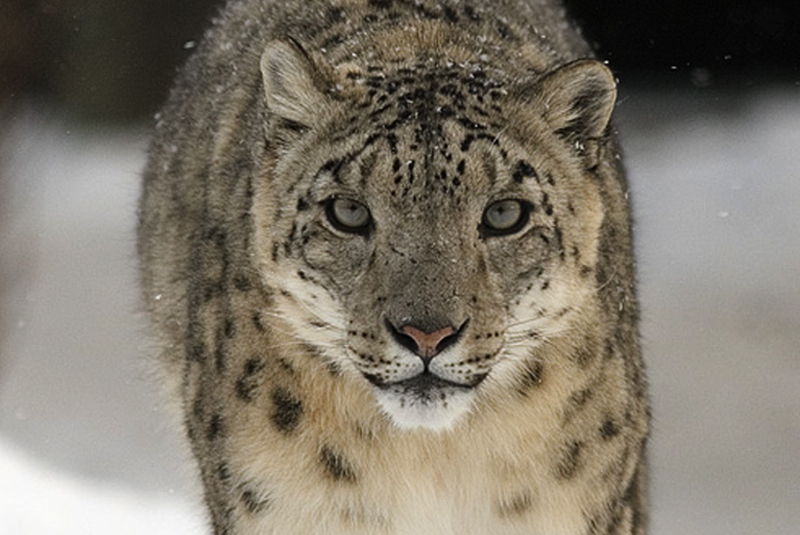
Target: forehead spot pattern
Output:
[(418, 112)]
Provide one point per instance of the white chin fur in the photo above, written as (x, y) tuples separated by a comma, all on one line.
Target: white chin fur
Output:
[(409, 411)]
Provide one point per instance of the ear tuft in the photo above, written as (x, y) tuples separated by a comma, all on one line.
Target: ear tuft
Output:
[(291, 83), (579, 98)]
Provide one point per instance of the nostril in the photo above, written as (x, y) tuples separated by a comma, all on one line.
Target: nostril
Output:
[(451, 339), (401, 338)]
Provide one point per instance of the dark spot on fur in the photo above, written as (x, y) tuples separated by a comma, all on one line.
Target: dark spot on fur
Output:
[(242, 283), (333, 369), (220, 356), (212, 290), (594, 525), (548, 207), (567, 465), (445, 112), (287, 410), (467, 142), (216, 235), (375, 379), (286, 366), (392, 139), (332, 166), (248, 381), (196, 351), (545, 285), (450, 14), (230, 328), (515, 506), (223, 473), (609, 429), (258, 322), (254, 501), (522, 170), (610, 351), (371, 139), (469, 124), (336, 466), (504, 30), (364, 432), (559, 240), (469, 11), (334, 14), (215, 428)]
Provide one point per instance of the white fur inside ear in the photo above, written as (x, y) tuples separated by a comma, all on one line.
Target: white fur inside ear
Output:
[(290, 82), (579, 98)]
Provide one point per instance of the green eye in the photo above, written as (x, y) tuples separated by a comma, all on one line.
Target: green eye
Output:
[(348, 215), (505, 217)]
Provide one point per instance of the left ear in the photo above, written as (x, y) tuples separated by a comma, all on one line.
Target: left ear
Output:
[(578, 99), (293, 84)]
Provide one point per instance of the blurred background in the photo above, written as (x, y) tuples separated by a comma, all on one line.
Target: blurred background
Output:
[(709, 114)]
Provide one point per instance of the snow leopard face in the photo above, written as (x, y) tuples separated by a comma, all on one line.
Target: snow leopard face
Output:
[(430, 225)]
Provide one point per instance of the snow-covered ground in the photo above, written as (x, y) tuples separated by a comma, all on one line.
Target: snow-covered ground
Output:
[(37, 498), (85, 448)]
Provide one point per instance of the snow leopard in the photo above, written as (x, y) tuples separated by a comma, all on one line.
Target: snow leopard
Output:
[(386, 248)]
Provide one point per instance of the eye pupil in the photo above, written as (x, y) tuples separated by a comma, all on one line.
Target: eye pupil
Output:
[(348, 215)]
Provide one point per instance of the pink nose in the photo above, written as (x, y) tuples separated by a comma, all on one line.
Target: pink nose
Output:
[(427, 343)]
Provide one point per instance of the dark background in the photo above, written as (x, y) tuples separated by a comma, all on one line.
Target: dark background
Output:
[(113, 60)]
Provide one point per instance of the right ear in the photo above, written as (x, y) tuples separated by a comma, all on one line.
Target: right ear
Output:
[(293, 84)]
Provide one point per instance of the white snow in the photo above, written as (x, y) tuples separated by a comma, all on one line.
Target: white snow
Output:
[(37, 499)]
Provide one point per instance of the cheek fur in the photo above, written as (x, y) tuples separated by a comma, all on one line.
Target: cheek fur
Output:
[(341, 260)]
